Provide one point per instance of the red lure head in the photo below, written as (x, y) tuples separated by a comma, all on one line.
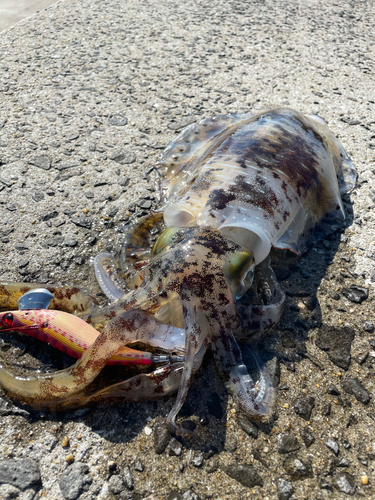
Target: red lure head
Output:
[(14, 320)]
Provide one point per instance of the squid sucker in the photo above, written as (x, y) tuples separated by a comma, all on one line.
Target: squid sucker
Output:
[(232, 187)]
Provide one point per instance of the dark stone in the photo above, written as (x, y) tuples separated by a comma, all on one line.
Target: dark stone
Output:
[(258, 456), (189, 425), (286, 443), (354, 387), (174, 448), (355, 293), (361, 357), (162, 436), (128, 477), (71, 242), (342, 462), (303, 406), (198, 459), (55, 241), (307, 436), (73, 137), (85, 222), (337, 342), (326, 409), (116, 484), (117, 120), (325, 485), (113, 212), (285, 489), (37, 196), (75, 480), (182, 123), (368, 326), (212, 465), (332, 389), (49, 215), (138, 466), (42, 161), (145, 204), (214, 405), (124, 157), (65, 166), (91, 240), (23, 263), (333, 445), (21, 247), (244, 474), (124, 181), (297, 468), (247, 426), (334, 295), (345, 483), (22, 474)]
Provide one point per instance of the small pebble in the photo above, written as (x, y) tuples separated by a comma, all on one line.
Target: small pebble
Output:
[(198, 459), (368, 326), (69, 458), (285, 489), (286, 443), (138, 466), (128, 477), (364, 479), (333, 445), (354, 387), (147, 430), (65, 442)]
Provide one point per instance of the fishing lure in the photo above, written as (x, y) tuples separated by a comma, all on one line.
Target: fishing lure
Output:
[(72, 335), (232, 188)]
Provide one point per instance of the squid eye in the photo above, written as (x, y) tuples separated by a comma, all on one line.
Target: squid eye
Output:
[(239, 264), (164, 239), (240, 272), (8, 319)]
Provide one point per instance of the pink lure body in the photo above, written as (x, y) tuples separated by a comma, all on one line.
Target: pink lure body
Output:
[(69, 334)]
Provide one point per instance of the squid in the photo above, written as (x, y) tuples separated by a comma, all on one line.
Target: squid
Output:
[(196, 273)]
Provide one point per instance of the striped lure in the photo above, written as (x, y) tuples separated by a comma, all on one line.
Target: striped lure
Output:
[(232, 188)]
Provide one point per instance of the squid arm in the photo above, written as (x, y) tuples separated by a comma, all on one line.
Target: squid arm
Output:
[(51, 390)]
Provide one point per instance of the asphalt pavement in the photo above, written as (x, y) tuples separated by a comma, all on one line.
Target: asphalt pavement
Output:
[(90, 94)]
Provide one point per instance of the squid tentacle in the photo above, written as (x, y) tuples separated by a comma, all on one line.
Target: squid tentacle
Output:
[(194, 343), (104, 275), (229, 361), (142, 387)]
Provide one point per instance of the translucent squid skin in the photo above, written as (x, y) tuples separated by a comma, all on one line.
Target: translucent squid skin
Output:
[(232, 188)]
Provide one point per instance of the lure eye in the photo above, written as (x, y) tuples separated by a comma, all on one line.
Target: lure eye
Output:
[(8, 319), (164, 239)]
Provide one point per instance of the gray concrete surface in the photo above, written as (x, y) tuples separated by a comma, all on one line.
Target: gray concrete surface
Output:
[(65, 73), (12, 11)]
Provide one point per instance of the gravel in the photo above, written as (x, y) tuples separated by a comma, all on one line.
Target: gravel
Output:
[(89, 93)]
